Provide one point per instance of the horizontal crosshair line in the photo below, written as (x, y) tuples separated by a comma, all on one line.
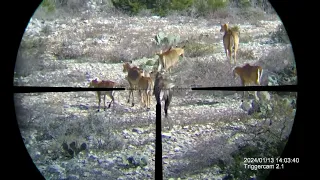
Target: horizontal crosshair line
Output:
[(291, 88), (31, 89)]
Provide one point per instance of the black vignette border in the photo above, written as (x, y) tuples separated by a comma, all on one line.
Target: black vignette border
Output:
[(18, 164), (290, 12)]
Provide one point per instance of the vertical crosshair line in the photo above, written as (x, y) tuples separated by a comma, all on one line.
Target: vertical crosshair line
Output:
[(158, 154)]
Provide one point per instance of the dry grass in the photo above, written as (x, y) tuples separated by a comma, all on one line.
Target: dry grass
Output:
[(245, 54), (277, 60), (197, 49), (204, 72), (245, 38)]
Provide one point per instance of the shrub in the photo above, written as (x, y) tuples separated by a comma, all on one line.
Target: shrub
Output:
[(210, 6), (244, 3), (132, 7), (48, 5), (26, 65), (251, 14), (180, 4), (203, 70), (280, 35), (195, 49), (237, 168), (163, 40), (276, 60), (69, 5), (246, 54)]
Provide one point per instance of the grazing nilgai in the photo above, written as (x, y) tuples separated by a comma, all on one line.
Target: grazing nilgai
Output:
[(249, 75), (169, 58), (230, 41), (96, 83), (162, 86)]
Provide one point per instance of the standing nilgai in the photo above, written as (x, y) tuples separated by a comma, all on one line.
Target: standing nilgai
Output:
[(146, 89), (249, 75), (169, 58), (230, 41), (138, 80), (162, 86), (96, 83)]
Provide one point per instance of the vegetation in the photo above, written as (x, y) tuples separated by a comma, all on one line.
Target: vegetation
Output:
[(280, 35), (156, 7)]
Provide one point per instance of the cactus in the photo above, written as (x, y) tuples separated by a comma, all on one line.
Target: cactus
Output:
[(142, 65), (165, 41), (173, 39), (170, 39), (149, 63), (272, 81), (74, 149), (177, 39), (134, 160), (159, 37)]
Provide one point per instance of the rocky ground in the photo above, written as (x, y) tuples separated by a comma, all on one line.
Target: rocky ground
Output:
[(202, 126)]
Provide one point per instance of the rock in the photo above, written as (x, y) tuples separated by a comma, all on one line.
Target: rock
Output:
[(137, 130), (55, 169), (272, 81), (166, 135), (37, 155), (93, 157), (177, 149), (255, 107), (264, 96), (73, 177), (287, 102), (246, 105)]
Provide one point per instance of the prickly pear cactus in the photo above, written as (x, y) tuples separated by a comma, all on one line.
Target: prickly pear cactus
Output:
[(159, 37), (171, 39)]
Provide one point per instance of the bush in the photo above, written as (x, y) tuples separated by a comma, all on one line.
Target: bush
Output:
[(210, 6), (132, 7), (26, 65), (237, 168), (75, 6), (159, 7), (280, 35), (49, 5), (246, 54), (180, 4), (203, 70), (195, 49), (251, 14), (244, 3)]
